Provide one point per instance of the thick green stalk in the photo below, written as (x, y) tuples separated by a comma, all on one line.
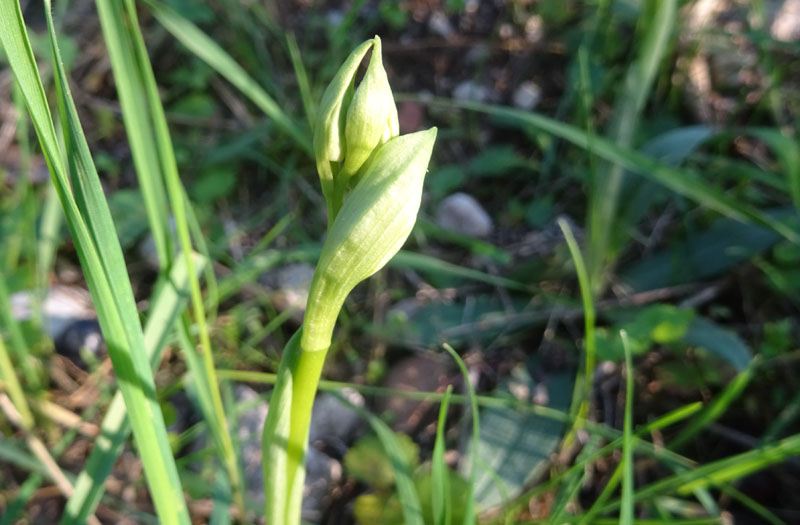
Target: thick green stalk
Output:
[(306, 374)]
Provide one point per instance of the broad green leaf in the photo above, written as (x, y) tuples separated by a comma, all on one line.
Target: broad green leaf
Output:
[(368, 462), (704, 254), (514, 445), (720, 341)]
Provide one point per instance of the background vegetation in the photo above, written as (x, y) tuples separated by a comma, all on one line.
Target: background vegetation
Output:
[(602, 167)]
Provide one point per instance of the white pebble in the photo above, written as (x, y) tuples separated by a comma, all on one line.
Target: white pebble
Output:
[(527, 96), (461, 213)]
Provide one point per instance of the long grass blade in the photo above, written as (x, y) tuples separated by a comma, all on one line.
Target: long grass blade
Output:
[(583, 389), (626, 512), (131, 90), (102, 262), (121, 30), (469, 514), (683, 182), (167, 303), (210, 52), (718, 472), (660, 16), (442, 503), (406, 491), (717, 407)]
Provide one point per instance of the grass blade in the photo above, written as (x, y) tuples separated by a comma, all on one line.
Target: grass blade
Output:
[(469, 515), (605, 190), (406, 491), (582, 395), (129, 56), (90, 223), (167, 303), (131, 90), (11, 384), (683, 182), (16, 340), (718, 472), (717, 407), (626, 513), (442, 505), (300, 73), (210, 52)]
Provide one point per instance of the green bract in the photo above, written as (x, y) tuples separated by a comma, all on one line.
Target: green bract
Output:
[(374, 222), (350, 125)]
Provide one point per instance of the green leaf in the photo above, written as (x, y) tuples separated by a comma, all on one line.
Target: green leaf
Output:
[(440, 494), (721, 342), (515, 446), (368, 462), (703, 254), (214, 184), (659, 323)]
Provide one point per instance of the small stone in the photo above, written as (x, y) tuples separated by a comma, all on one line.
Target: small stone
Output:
[(527, 96), (333, 422), (786, 26), (294, 282), (82, 335), (534, 29), (322, 471), (440, 25), (251, 426), (471, 91), (61, 306), (291, 284), (461, 213)]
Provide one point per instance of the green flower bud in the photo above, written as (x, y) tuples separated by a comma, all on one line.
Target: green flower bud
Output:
[(351, 124), (372, 115), (374, 222)]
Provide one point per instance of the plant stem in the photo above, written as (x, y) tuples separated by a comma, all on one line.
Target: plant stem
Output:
[(306, 374)]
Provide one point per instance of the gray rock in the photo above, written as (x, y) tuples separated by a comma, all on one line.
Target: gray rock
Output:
[(59, 306), (251, 426), (331, 418), (291, 283), (461, 213), (527, 96), (786, 26), (440, 25), (333, 422), (322, 472), (471, 91)]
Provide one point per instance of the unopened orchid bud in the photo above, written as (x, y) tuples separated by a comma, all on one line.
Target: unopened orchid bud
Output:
[(373, 224), (352, 123), (372, 115)]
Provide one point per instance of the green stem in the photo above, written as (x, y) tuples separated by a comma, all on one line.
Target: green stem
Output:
[(286, 431), (307, 372)]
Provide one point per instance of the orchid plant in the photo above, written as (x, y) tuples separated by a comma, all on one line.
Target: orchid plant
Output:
[(371, 179)]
